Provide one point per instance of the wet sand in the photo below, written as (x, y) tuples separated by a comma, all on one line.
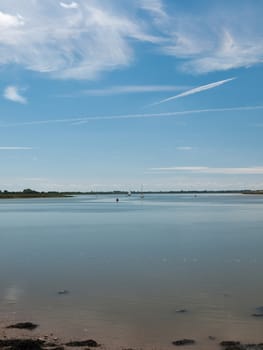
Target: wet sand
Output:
[(33, 337)]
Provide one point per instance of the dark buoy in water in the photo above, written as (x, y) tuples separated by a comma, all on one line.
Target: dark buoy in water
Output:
[(117, 200)]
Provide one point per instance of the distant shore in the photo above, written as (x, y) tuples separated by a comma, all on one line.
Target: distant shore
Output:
[(33, 194), (28, 193)]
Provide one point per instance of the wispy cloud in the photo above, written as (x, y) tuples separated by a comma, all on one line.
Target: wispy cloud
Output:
[(195, 90), (8, 21), (211, 170), (14, 148), (131, 89), (72, 5), (84, 120), (216, 38), (184, 148), (156, 8), (13, 93), (94, 38)]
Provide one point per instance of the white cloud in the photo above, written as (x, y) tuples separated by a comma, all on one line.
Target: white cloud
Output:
[(12, 93), (97, 36), (210, 170), (181, 168), (8, 21), (184, 148), (132, 89), (72, 5), (14, 148), (232, 52), (100, 35), (216, 38), (155, 8), (195, 90)]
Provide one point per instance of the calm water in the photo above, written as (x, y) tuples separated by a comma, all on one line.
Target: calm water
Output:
[(130, 266)]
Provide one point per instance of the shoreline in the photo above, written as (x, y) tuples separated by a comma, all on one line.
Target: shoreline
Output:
[(30, 194), (25, 336)]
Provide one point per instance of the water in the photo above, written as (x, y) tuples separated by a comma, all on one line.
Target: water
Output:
[(130, 265)]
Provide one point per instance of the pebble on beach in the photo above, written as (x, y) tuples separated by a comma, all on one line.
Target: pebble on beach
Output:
[(24, 325), (183, 342)]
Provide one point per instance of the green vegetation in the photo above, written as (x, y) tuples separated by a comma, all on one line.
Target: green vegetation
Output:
[(28, 193), (253, 192)]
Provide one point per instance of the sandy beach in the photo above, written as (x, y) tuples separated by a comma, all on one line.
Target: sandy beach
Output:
[(29, 336)]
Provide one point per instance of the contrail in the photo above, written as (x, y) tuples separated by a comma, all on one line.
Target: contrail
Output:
[(195, 91), (15, 148), (167, 114), (83, 120)]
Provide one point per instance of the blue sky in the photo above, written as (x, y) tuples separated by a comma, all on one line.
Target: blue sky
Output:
[(112, 94)]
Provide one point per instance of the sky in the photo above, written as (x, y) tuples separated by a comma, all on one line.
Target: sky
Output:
[(115, 94)]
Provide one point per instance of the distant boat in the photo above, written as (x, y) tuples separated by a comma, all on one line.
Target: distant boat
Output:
[(117, 200), (129, 193)]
